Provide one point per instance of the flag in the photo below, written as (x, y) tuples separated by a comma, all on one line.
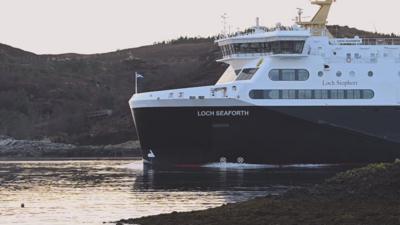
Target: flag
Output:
[(139, 76), (260, 62)]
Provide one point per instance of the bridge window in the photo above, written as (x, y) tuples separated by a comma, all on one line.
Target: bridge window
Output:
[(275, 47), (289, 75), (247, 74), (312, 94), (237, 72), (288, 47)]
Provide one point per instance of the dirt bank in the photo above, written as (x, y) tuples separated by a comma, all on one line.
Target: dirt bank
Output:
[(370, 195)]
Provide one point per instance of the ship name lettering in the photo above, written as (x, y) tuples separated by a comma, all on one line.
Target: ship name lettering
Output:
[(339, 83), (205, 113), (223, 113)]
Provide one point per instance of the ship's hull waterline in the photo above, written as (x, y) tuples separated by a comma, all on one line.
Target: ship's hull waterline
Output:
[(179, 136)]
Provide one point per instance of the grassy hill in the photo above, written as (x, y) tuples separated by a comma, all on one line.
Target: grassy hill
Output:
[(56, 96)]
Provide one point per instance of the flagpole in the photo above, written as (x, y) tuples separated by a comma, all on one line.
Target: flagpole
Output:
[(136, 76)]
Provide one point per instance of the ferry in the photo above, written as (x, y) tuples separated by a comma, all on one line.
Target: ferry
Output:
[(293, 95)]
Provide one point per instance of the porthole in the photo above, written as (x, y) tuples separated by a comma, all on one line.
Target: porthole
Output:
[(320, 73), (352, 73), (339, 73), (370, 74)]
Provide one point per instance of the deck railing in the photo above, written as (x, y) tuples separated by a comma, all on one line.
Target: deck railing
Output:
[(365, 41), (381, 41)]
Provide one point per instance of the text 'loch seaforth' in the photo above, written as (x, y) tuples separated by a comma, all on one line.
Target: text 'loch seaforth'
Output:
[(223, 113)]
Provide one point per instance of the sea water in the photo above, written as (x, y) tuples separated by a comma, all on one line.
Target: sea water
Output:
[(93, 192)]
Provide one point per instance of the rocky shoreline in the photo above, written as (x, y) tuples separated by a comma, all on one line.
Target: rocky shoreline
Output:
[(11, 148), (367, 196)]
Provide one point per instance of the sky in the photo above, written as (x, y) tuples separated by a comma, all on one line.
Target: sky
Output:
[(96, 26)]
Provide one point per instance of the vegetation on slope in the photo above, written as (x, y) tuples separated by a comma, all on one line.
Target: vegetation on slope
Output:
[(55, 96)]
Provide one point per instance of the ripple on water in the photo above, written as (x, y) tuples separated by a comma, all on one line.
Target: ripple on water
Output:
[(90, 192), (137, 165)]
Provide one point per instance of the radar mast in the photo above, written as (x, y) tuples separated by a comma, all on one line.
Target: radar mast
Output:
[(318, 23)]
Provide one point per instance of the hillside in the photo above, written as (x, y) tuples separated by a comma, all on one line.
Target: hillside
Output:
[(55, 96), (58, 96)]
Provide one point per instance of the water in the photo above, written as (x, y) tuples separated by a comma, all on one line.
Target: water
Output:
[(93, 192)]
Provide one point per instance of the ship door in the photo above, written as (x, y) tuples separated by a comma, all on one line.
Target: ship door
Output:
[(398, 92), (398, 95)]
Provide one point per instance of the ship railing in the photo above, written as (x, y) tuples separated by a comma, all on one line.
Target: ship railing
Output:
[(368, 60), (252, 31), (256, 54), (381, 41), (352, 60), (211, 93), (260, 54), (365, 41)]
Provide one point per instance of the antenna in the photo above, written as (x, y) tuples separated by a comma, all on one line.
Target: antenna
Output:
[(224, 18), (300, 12), (376, 31), (257, 22)]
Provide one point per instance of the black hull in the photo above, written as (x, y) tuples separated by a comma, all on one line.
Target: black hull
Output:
[(269, 135)]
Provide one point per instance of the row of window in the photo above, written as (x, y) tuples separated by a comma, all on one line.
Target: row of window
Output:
[(275, 47), (286, 74), (312, 94), (289, 75)]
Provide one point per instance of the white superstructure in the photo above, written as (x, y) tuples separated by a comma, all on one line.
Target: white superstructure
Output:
[(348, 71)]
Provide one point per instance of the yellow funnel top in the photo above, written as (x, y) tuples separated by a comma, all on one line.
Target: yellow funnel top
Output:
[(319, 21)]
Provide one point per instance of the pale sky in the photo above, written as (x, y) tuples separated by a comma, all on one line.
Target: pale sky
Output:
[(95, 26)]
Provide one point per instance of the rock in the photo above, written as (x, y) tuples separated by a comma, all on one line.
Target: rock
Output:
[(12, 148), (127, 145)]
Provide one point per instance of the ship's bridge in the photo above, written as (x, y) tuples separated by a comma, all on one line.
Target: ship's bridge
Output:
[(279, 42)]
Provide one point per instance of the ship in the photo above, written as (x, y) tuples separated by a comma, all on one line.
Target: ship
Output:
[(290, 95)]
